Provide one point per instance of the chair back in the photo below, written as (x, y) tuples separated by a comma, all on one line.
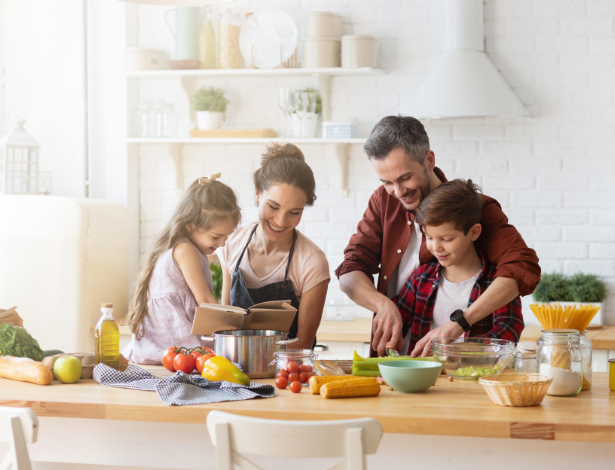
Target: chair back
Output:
[(234, 434), (18, 427)]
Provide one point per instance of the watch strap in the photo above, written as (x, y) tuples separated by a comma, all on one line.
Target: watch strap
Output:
[(457, 316)]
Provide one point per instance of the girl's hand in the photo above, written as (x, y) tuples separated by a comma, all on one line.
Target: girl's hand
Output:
[(187, 259)]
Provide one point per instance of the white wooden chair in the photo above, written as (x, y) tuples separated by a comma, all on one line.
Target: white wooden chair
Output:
[(233, 435), (18, 427)]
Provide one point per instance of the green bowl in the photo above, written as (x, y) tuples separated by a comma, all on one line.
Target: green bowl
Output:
[(410, 376)]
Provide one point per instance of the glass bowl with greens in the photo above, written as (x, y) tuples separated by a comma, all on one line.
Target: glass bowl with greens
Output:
[(471, 358)]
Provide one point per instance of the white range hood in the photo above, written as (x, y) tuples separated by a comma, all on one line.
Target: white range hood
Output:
[(462, 82)]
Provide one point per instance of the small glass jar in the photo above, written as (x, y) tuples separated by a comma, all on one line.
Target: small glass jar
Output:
[(586, 360), (169, 120), (295, 361), (558, 355), (525, 363)]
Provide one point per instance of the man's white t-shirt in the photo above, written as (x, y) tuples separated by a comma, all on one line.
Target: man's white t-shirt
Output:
[(451, 296), (407, 265)]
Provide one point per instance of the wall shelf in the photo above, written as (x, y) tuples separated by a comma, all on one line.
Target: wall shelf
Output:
[(201, 73), (175, 150)]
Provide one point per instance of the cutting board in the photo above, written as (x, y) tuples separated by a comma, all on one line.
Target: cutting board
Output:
[(233, 133)]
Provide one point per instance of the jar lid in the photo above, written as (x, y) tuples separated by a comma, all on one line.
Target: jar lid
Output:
[(526, 346), (106, 305), (561, 332), (323, 13), (323, 39)]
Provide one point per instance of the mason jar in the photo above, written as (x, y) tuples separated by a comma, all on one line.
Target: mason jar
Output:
[(558, 355), (295, 361), (586, 360)]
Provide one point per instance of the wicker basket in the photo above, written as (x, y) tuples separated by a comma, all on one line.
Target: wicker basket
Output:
[(516, 389)]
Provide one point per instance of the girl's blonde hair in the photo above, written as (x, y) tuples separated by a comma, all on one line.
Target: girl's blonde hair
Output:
[(206, 203)]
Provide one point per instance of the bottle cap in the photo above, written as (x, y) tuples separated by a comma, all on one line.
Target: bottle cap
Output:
[(106, 305)]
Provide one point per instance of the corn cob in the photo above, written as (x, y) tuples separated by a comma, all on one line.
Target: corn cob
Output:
[(351, 388), (316, 382)]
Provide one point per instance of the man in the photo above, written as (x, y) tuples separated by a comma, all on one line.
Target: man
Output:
[(388, 242)]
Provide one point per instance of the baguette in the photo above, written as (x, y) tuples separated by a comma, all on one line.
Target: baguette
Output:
[(25, 370)]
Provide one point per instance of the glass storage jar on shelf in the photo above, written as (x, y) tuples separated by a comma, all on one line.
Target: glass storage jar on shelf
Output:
[(299, 362), (558, 355), (586, 360), (169, 120), (229, 54)]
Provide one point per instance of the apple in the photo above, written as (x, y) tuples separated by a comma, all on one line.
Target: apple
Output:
[(67, 369)]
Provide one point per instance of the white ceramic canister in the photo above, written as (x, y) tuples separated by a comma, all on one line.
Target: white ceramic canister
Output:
[(359, 51), (323, 24), (142, 58), (322, 52)]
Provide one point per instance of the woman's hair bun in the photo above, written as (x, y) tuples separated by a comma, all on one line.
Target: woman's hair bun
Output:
[(275, 151)]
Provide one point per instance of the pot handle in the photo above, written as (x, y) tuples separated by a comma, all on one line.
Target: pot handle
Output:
[(288, 341), (208, 337)]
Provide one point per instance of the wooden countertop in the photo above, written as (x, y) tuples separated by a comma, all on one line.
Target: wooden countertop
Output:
[(359, 330), (459, 408)]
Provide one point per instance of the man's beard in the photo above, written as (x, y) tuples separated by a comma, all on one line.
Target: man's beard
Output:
[(424, 189)]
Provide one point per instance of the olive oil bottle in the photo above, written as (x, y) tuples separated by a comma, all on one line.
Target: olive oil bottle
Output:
[(107, 336)]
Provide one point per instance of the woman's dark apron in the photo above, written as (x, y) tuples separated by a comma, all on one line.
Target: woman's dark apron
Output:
[(245, 297)]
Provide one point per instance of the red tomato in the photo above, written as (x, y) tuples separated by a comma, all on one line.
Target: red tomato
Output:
[(303, 377), (281, 383), (295, 387), (196, 354), (283, 373), (184, 362), (167, 359), (292, 367), (201, 360), (293, 377), (308, 368)]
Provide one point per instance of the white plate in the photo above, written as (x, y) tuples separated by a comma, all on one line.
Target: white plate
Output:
[(263, 33)]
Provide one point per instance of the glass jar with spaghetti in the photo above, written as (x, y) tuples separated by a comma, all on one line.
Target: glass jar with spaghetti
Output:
[(586, 360), (558, 355)]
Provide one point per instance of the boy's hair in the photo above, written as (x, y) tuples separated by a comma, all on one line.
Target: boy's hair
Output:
[(458, 202), (204, 204)]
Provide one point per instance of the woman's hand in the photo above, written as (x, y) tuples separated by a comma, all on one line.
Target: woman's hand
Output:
[(310, 314)]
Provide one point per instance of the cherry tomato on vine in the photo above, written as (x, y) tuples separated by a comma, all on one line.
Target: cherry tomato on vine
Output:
[(196, 353), (168, 358), (184, 362), (201, 360)]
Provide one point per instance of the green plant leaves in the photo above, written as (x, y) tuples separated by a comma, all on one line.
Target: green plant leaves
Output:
[(580, 287)]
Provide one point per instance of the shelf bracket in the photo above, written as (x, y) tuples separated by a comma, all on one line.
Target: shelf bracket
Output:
[(324, 88), (189, 86), (341, 152), (175, 152)]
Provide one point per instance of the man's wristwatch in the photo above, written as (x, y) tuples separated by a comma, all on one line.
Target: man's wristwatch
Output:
[(457, 316)]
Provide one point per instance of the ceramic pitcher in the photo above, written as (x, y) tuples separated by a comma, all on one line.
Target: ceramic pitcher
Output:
[(186, 32)]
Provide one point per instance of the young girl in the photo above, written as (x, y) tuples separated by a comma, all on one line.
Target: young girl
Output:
[(270, 259), (176, 277)]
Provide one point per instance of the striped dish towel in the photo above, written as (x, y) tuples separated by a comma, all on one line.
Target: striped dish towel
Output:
[(180, 389)]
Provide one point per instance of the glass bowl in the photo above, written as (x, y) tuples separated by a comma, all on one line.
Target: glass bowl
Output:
[(471, 358)]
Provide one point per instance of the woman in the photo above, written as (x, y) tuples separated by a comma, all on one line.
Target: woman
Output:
[(270, 259)]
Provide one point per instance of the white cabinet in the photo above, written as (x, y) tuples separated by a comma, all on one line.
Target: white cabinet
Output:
[(340, 349)]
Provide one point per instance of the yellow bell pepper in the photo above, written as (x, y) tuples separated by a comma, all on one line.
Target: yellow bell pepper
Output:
[(219, 368)]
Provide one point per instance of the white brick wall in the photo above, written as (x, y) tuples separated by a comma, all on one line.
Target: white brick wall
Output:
[(553, 173)]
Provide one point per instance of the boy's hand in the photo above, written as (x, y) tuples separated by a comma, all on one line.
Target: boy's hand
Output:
[(387, 328), (450, 329)]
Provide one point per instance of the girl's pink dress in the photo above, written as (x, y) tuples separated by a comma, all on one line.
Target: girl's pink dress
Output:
[(170, 308)]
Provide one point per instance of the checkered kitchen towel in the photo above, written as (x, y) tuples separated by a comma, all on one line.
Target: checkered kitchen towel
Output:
[(180, 389)]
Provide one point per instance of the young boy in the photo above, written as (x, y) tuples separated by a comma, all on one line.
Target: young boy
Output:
[(441, 291)]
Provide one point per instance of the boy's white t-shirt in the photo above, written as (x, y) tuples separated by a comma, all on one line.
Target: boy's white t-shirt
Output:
[(451, 296)]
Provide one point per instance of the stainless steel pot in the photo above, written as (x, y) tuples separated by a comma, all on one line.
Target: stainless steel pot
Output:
[(253, 350)]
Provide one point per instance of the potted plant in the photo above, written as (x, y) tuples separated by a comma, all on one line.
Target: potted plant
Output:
[(210, 105), (307, 107), (578, 289)]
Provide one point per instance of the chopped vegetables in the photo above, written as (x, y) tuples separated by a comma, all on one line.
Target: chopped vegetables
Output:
[(476, 371), (368, 367)]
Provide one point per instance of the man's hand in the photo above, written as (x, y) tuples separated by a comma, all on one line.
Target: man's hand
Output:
[(449, 330), (387, 327)]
